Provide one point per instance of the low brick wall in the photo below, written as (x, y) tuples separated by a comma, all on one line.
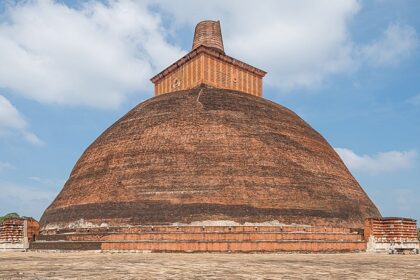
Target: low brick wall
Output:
[(12, 231), (391, 234), (205, 239), (239, 246), (16, 233)]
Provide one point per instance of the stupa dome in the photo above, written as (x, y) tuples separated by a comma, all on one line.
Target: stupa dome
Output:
[(205, 155)]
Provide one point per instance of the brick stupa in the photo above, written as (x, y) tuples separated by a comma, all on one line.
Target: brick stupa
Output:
[(208, 165)]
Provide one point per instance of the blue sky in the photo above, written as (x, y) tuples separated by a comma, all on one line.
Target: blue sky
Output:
[(69, 69)]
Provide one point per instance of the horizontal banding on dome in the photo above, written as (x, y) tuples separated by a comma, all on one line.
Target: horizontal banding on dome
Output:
[(206, 155)]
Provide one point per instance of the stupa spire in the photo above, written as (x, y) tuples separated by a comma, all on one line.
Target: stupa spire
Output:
[(208, 64), (208, 33)]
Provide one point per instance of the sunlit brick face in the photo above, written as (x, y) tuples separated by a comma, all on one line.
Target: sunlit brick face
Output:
[(208, 64)]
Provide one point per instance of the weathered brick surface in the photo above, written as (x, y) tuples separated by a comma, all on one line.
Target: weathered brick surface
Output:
[(13, 230), (199, 233), (208, 64), (201, 236), (208, 33), (32, 229), (209, 239), (391, 235), (244, 246), (71, 246), (391, 229), (205, 66), (210, 154)]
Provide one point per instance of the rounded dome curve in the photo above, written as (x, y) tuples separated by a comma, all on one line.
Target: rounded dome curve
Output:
[(210, 155)]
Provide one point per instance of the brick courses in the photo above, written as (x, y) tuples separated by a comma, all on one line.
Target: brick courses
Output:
[(391, 234), (210, 154), (208, 148), (208, 64), (17, 233), (205, 239)]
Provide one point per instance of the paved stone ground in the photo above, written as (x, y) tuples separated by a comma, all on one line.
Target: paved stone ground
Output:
[(94, 265)]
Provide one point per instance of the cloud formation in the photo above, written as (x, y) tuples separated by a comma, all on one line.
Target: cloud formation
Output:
[(12, 121), (96, 55), (102, 52), (300, 43), (381, 162), (397, 42)]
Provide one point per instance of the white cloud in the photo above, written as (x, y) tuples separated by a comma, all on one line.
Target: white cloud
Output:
[(9, 116), (96, 55), (300, 43), (12, 121), (381, 162), (397, 43), (48, 182), (100, 54)]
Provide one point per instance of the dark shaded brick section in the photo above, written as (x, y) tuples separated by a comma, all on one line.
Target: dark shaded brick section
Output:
[(161, 213), (65, 246)]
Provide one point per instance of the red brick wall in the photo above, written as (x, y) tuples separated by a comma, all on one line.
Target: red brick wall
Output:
[(207, 69), (32, 229), (208, 33), (262, 246), (391, 229), (13, 230), (206, 238)]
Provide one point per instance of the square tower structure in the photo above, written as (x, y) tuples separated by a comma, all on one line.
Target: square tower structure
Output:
[(208, 64)]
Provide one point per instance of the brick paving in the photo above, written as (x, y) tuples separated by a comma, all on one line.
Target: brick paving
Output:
[(95, 265)]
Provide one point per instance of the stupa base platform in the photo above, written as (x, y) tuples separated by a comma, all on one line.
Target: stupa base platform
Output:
[(204, 239)]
